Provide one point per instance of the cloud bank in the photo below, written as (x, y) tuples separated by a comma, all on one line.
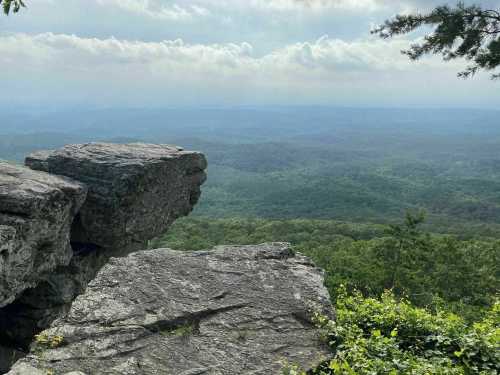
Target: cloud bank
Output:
[(324, 56), (183, 10), (194, 52)]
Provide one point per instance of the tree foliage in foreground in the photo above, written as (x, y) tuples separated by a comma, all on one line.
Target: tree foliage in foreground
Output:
[(390, 336), (12, 5), (468, 32)]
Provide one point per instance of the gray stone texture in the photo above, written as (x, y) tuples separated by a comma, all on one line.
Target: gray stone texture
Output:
[(36, 212), (230, 310), (135, 190), (125, 196)]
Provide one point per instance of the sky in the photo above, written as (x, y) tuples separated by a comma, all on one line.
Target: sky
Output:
[(164, 53)]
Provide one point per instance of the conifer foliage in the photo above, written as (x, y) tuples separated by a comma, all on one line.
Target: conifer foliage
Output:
[(13, 6), (469, 32)]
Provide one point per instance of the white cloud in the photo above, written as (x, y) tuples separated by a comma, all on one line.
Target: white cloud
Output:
[(313, 4), (364, 5), (326, 55), (182, 10), (159, 9), (114, 70), (332, 55), (285, 61)]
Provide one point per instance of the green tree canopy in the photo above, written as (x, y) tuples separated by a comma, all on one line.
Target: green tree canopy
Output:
[(469, 32), (11, 5)]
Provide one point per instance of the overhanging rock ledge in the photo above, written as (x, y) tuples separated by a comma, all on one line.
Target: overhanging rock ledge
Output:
[(135, 190)]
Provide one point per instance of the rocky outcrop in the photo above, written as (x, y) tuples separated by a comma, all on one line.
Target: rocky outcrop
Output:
[(135, 190), (125, 196), (36, 212), (231, 310)]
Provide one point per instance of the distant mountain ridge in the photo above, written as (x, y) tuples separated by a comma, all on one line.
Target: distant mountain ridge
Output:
[(365, 165)]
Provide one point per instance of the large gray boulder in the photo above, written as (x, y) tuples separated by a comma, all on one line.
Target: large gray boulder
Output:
[(135, 190), (231, 310), (36, 213)]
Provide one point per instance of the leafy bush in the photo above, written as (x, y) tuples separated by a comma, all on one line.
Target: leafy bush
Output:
[(387, 336)]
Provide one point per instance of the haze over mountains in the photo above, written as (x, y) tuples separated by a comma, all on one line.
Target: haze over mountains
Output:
[(308, 162)]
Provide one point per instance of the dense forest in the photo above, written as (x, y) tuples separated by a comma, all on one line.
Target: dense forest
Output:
[(401, 208)]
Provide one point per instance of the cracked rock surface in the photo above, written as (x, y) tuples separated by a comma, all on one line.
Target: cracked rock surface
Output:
[(36, 212), (135, 190), (230, 310)]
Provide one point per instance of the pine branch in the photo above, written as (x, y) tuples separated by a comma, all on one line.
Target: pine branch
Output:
[(13, 6), (461, 32)]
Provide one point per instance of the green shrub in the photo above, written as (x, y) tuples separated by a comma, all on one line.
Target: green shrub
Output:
[(387, 336)]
